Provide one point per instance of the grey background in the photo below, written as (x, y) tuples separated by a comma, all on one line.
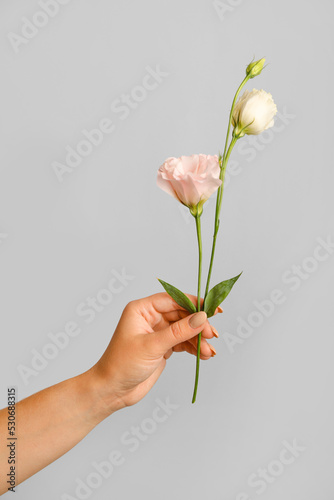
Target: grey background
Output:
[(61, 241)]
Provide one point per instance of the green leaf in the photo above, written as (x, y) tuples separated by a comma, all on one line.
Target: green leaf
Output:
[(179, 297), (217, 294)]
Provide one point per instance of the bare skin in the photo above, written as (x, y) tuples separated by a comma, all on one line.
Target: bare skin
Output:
[(52, 421)]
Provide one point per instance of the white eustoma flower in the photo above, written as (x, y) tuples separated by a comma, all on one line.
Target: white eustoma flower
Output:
[(253, 113)]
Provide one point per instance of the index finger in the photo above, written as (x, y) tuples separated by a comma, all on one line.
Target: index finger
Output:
[(163, 303)]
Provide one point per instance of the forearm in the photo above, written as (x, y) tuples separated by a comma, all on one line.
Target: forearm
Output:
[(50, 423)]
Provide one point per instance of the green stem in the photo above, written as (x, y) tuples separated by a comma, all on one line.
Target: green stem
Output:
[(218, 209), (199, 240), (223, 163), (242, 84)]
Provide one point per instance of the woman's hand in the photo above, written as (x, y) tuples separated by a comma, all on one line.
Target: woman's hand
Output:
[(148, 332)]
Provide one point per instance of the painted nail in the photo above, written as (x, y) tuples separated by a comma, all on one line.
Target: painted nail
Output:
[(220, 309), (197, 319), (214, 331), (213, 350)]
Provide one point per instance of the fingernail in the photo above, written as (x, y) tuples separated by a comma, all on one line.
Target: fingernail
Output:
[(197, 319), (213, 350), (220, 309), (214, 331)]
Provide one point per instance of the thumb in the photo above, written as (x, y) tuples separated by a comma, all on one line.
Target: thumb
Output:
[(178, 332)]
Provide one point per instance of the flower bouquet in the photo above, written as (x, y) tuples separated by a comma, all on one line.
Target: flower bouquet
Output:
[(193, 179)]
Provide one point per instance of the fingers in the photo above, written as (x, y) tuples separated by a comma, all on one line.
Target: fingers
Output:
[(207, 349), (164, 304), (190, 346), (191, 349), (168, 354), (175, 315), (178, 332), (181, 313), (214, 331), (208, 331)]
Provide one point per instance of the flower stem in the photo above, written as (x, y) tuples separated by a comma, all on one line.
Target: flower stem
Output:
[(223, 164), (199, 240), (218, 209)]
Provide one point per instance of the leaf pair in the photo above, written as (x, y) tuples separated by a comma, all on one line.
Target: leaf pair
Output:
[(215, 297)]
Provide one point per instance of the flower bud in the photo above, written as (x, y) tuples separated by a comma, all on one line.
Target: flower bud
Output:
[(254, 68), (253, 113)]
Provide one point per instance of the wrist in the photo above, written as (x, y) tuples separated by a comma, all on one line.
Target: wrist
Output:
[(101, 399)]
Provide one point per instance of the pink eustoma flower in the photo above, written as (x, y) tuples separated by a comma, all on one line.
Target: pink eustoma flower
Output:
[(190, 179)]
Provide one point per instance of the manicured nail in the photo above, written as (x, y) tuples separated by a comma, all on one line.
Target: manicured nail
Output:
[(213, 350), (197, 319), (214, 331), (220, 309)]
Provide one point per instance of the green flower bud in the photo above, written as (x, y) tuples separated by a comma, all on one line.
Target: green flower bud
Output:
[(254, 68)]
